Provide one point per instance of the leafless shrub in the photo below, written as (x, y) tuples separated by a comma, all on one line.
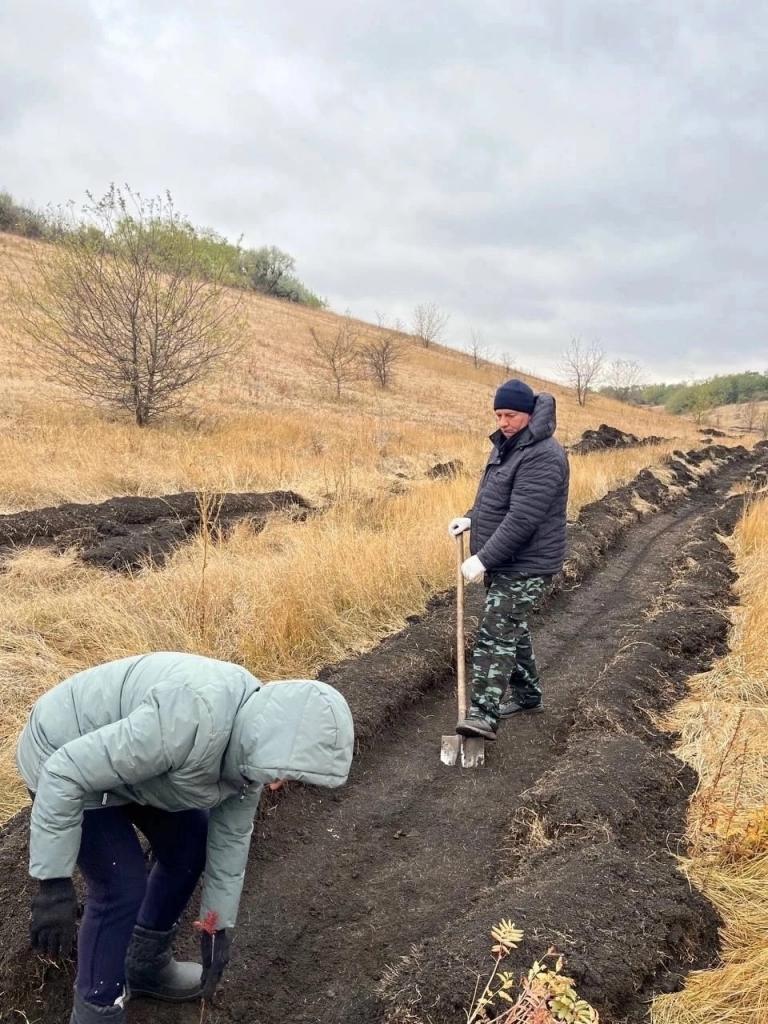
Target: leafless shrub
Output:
[(122, 310), (381, 354), (429, 323), (507, 364), (623, 376), (339, 355), (750, 415), (581, 367), (477, 349)]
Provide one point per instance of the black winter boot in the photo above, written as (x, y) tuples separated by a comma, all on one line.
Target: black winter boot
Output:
[(477, 724), (150, 969), (90, 1013)]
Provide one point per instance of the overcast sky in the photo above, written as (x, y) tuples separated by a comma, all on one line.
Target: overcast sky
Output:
[(541, 169)]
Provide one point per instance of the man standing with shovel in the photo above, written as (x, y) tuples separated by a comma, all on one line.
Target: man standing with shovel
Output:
[(517, 530)]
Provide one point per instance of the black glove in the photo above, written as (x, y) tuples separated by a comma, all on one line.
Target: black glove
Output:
[(215, 953), (54, 917)]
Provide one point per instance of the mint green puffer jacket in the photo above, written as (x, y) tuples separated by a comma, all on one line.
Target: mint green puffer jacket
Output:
[(176, 731)]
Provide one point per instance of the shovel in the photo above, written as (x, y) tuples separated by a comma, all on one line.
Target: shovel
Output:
[(454, 749)]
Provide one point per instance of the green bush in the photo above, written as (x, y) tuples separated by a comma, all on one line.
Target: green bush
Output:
[(267, 270), (21, 220), (725, 389)]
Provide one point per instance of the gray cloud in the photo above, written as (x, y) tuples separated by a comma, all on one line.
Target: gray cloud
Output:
[(540, 170)]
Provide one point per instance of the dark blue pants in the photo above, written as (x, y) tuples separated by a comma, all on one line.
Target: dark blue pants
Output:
[(120, 892)]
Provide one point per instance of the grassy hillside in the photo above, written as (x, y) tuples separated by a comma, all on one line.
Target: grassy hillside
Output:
[(751, 417), (270, 419), (288, 599)]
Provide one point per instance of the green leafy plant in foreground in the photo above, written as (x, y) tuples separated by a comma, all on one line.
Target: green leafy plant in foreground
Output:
[(544, 996)]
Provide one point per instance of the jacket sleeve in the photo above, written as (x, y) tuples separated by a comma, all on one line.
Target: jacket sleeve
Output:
[(229, 841), (126, 752), (539, 480)]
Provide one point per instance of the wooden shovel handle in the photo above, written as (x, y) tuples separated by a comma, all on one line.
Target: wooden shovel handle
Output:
[(461, 676)]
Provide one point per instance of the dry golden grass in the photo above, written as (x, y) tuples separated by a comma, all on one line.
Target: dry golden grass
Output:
[(268, 420), (295, 596), (283, 601), (724, 735)]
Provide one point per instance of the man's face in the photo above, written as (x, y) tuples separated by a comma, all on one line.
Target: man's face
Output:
[(511, 422)]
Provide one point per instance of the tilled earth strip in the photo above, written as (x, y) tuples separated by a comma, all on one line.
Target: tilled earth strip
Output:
[(128, 532), (589, 865), (418, 860)]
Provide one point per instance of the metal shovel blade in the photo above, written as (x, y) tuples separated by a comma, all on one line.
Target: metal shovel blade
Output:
[(450, 749), (469, 753), (473, 753)]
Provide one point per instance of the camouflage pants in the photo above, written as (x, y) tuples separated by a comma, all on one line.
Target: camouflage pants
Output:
[(503, 651)]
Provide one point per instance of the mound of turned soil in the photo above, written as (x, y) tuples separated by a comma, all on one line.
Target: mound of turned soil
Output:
[(122, 533), (606, 437), (589, 866), (372, 904)]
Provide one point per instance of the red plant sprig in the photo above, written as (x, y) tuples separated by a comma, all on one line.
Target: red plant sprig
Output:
[(209, 924)]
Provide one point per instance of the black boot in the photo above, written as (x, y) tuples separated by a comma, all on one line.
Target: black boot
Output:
[(90, 1013), (477, 724), (150, 969), (514, 707)]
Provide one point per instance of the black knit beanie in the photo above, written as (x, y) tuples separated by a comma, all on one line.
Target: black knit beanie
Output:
[(515, 394)]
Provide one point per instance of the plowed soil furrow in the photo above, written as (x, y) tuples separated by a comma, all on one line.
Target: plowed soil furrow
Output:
[(344, 884), (412, 853)]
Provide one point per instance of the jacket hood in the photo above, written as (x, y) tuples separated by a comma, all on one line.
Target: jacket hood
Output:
[(297, 730), (544, 419), (542, 424)]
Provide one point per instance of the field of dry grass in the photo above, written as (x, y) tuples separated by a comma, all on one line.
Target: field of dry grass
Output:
[(268, 420), (748, 416), (294, 596), (723, 726)]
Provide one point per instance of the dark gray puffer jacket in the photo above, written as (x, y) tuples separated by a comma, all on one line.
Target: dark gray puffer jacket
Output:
[(518, 517)]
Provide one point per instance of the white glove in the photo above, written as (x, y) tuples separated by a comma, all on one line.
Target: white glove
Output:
[(472, 568), (458, 525)]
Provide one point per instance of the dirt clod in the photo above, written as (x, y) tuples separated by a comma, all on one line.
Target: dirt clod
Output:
[(605, 438)]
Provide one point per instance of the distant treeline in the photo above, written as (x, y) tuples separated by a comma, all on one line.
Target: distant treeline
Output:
[(267, 270), (698, 396)]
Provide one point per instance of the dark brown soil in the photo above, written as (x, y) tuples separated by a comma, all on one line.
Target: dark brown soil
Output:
[(606, 437), (569, 830), (127, 532)]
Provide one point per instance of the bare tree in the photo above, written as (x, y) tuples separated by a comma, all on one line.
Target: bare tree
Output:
[(750, 414), (477, 349), (429, 323), (252, 378), (381, 354), (581, 367), (507, 364), (623, 376), (122, 310), (339, 355)]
